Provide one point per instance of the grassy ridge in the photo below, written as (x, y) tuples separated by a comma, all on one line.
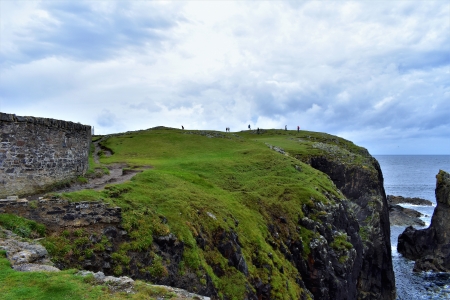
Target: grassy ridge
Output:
[(209, 182)]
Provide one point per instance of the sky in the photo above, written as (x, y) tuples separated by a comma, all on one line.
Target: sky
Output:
[(373, 72)]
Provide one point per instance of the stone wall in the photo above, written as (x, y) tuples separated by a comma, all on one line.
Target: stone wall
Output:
[(59, 214), (36, 153)]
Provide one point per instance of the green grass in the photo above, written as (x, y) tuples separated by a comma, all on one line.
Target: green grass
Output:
[(43, 285), (65, 285), (21, 226), (210, 185)]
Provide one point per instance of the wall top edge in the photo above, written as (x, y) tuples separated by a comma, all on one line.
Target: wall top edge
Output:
[(12, 118)]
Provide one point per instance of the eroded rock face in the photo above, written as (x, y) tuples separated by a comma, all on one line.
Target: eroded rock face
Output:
[(364, 187), (330, 272), (430, 247)]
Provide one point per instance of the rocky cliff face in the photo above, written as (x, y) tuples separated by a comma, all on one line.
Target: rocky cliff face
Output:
[(362, 183), (430, 247), (332, 274)]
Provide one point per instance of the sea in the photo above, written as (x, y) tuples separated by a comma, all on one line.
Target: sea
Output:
[(414, 176)]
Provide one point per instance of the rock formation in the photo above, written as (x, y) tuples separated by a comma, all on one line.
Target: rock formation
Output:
[(25, 256), (430, 247), (392, 200), (362, 184), (402, 216)]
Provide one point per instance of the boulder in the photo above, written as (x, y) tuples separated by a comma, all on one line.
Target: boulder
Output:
[(430, 247), (35, 268), (25, 256)]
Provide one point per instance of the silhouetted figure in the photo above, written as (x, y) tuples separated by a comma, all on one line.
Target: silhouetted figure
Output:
[(182, 127), (249, 127), (257, 130), (298, 128), (285, 127)]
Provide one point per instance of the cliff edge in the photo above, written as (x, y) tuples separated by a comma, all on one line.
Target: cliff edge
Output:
[(430, 247), (358, 175)]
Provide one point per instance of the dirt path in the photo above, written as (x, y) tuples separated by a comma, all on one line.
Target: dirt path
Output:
[(98, 149), (117, 174)]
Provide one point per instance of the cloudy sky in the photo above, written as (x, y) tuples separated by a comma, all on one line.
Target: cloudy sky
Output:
[(374, 72)]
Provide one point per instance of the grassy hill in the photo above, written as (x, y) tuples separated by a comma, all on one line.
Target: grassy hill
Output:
[(230, 203)]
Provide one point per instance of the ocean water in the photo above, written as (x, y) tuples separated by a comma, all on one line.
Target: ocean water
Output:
[(414, 176)]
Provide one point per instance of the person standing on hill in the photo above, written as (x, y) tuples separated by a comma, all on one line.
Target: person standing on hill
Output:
[(285, 127), (298, 128), (182, 127), (249, 127)]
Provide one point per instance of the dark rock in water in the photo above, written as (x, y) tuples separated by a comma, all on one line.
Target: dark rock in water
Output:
[(404, 216), (430, 247), (415, 201)]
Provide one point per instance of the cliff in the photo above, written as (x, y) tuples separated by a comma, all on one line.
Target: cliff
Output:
[(224, 215), (358, 175), (430, 247)]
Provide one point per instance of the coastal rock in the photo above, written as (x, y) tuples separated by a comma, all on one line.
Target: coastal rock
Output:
[(363, 186), (330, 272), (392, 200), (430, 247), (401, 216)]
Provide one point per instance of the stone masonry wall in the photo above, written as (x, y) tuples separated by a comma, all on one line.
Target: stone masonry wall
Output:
[(59, 214), (38, 152)]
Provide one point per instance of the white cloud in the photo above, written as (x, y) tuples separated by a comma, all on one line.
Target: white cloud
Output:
[(368, 71), (383, 102)]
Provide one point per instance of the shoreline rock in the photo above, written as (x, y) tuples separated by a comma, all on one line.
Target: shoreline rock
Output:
[(401, 216), (393, 200), (430, 247)]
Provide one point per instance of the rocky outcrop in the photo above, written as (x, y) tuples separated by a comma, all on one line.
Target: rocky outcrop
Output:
[(402, 216), (362, 184), (58, 214), (392, 200), (430, 247), (25, 256), (123, 283)]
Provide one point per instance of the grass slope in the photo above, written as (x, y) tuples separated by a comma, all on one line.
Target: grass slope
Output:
[(204, 181)]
